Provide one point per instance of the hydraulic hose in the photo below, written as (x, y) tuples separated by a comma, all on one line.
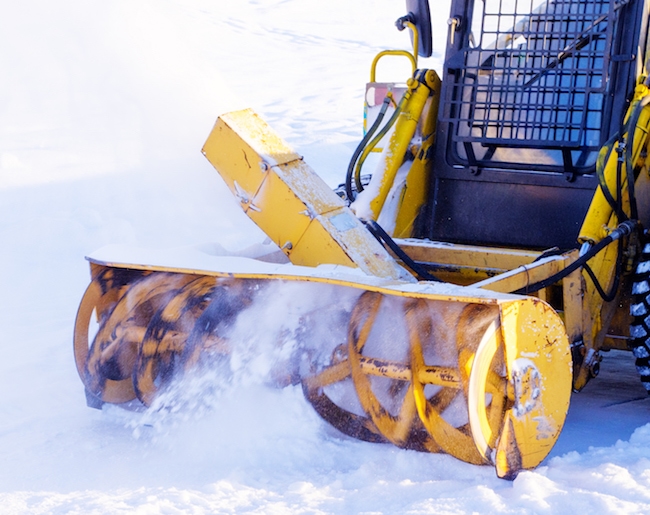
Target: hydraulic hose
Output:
[(624, 150), (629, 165), (419, 271), (623, 229), (355, 156), (384, 130), (366, 146)]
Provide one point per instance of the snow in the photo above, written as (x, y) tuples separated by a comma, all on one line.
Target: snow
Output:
[(105, 107)]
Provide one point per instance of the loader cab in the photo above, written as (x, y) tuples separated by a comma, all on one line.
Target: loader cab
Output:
[(531, 91)]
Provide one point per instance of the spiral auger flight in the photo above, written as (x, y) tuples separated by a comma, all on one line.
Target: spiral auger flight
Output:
[(152, 330)]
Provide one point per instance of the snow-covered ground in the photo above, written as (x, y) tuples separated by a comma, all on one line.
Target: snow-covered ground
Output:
[(104, 106)]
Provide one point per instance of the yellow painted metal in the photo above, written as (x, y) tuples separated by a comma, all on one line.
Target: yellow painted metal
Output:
[(288, 201), (512, 367), (510, 424), (395, 428), (576, 318), (465, 264), (116, 344), (451, 440), (166, 336), (384, 53), (416, 191), (387, 286), (337, 237), (274, 204), (245, 158), (599, 221), (484, 435), (538, 364), (596, 224), (414, 102), (587, 315), (597, 314), (411, 56), (642, 193), (523, 276)]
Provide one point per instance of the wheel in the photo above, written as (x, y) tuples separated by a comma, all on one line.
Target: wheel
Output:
[(640, 311)]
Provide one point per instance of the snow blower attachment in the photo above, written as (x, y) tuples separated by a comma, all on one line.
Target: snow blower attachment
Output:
[(468, 336)]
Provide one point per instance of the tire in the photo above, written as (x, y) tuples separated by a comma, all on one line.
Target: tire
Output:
[(639, 343)]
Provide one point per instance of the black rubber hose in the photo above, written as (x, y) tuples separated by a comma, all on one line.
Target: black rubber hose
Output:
[(629, 165), (624, 229), (606, 296), (420, 272), (373, 128), (603, 157), (625, 158), (375, 141)]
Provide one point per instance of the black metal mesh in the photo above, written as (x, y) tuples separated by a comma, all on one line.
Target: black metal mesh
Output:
[(534, 75)]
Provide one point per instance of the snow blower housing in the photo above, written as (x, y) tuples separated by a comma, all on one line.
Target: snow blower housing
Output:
[(498, 248)]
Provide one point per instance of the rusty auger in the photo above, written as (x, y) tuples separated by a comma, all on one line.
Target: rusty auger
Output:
[(163, 344), (107, 365), (458, 388), (151, 327)]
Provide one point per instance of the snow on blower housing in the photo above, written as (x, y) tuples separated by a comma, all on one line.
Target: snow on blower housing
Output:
[(497, 251)]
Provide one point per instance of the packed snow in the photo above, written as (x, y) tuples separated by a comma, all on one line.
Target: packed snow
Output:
[(105, 107)]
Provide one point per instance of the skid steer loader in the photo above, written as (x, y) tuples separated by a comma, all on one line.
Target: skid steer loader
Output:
[(496, 250)]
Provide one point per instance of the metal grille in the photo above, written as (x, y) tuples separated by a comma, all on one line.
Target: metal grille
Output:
[(534, 75)]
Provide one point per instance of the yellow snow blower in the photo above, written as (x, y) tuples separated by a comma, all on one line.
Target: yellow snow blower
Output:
[(494, 252)]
